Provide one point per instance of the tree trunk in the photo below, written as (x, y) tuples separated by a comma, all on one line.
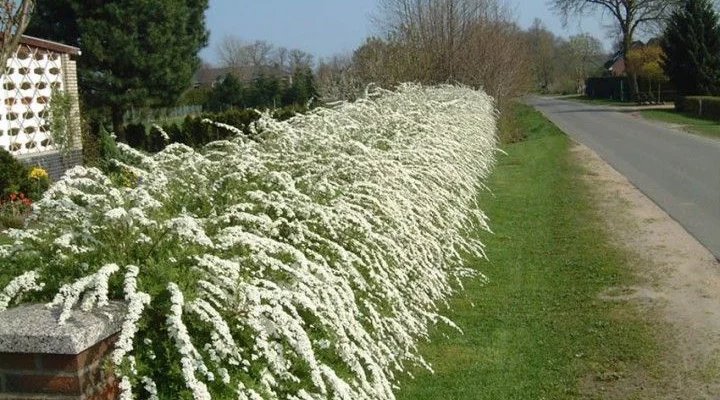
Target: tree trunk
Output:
[(627, 45), (118, 123), (634, 85)]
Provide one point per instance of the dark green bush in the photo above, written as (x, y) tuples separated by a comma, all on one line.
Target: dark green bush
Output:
[(13, 174), (16, 177), (286, 113), (92, 153), (705, 107), (196, 96), (155, 141), (174, 132), (195, 133), (135, 135), (240, 118)]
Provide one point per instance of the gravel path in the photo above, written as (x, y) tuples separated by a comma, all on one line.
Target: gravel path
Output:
[(681, 290)]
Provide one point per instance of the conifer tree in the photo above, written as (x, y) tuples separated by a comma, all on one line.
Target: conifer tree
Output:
[(691, 46), (227, 94), (136, 53)]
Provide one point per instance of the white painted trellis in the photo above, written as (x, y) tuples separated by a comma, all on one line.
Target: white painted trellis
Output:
[(36, 70)]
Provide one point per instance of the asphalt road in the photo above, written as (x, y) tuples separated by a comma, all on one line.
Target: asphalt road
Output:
[(679, 171)]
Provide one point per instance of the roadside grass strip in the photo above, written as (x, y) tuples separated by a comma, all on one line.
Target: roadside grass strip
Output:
[(537, 329), (302, 262), (700, 126)]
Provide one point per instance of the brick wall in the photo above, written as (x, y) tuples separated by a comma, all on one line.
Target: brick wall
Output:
[(84, 376), (41, 359), (53, 162)]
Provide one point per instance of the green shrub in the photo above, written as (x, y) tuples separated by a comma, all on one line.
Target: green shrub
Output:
[(135, 134), (13, 211), (108, 146), (195, 133), (37, 182), (191, 132), (174, 131), (239, 118), (156, 139), (711, 108), (307, 265), (13, 174), (91, 151), (16, 178), (285, 113), (706, 107), (194, 97)]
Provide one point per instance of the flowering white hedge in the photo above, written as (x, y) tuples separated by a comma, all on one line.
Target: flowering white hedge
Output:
[(304, 263)]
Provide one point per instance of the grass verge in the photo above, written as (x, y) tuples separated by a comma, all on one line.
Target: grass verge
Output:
[(691, 124), (538, 329)]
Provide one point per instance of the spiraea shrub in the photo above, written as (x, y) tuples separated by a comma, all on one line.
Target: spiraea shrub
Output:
[(304, 262)]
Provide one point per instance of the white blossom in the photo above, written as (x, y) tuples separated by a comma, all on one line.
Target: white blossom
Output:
[(340, 232), (137, 301), (23, 283), (125, 388), (190, 356), (150, 387)]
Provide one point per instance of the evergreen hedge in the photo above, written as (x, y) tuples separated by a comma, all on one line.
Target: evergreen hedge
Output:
[(195, 133), (706, 107)]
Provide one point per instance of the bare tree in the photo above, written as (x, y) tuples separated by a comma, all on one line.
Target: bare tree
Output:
[(433, 32), (376, 61), (281, 57), (259, 53), (543, 47), (474, 42), (299, 59), (14, 17), (496, 57), (337, 79), (584, 52), (629, 15), (232, 52)]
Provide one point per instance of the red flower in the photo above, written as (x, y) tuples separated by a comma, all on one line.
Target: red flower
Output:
[(12, 196)]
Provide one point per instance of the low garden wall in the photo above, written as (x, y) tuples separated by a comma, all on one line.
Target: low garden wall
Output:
[(53, 161), (41, 359)]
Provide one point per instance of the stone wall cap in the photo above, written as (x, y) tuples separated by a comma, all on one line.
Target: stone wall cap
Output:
[(34, 329)]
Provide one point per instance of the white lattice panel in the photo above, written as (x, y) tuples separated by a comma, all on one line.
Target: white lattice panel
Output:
[(25, 93)]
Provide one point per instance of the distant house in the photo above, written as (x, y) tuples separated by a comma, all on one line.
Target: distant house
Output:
[(208, 77), (615, 66), (35, 73)]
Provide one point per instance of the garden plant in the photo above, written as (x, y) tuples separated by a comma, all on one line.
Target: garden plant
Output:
[(305, 262)]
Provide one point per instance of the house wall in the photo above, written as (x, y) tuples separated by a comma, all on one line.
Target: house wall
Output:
[(26, 90)]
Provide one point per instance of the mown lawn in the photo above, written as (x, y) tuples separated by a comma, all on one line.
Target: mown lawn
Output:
[(691, 124), (537, 330)]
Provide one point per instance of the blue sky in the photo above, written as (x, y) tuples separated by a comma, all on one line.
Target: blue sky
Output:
[(327, 27)]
